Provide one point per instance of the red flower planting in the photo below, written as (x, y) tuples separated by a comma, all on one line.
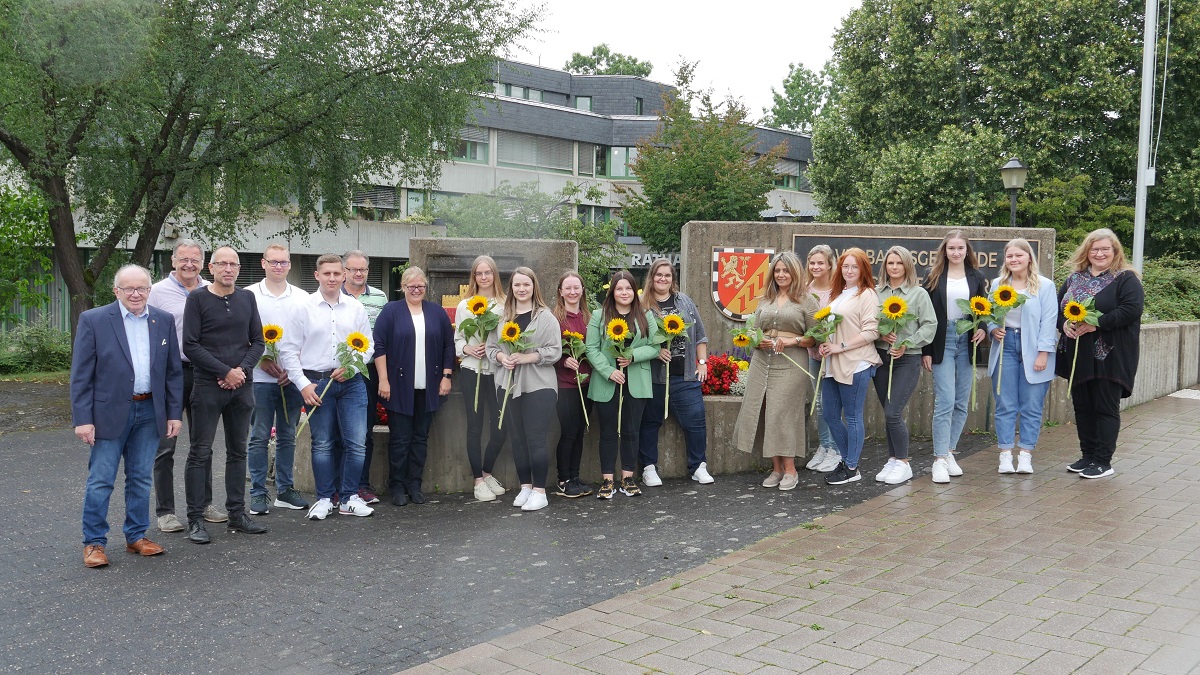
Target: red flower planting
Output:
[(722, 373)]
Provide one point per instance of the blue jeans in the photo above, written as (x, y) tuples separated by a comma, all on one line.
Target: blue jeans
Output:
[(269, 411), (1017, 399), (951, 391), (343, 411), (138, 444), (687, 405), (824, 436), (850, 400)]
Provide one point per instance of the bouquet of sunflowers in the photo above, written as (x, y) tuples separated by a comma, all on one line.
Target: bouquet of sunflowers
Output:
[(349, 357), (1006, 299), (574, 347), (826, 325), (893, 316), (517, 341), (670, 327), (978, 314), (483, 320), (1080, 312)]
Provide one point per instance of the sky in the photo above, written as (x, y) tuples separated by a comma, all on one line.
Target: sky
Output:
[(744, 54)]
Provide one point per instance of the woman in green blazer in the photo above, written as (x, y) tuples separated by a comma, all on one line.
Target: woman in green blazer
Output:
[(620, 386)]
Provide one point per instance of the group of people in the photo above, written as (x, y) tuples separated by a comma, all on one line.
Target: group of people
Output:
[(883, 332), (251, 357)]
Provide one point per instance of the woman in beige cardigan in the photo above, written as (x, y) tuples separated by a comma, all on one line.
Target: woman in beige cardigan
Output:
[(851, 360)]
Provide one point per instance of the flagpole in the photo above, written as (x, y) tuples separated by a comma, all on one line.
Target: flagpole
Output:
[(1145, 173)]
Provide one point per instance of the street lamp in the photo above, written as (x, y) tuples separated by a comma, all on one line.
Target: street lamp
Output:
[(1013, 174)]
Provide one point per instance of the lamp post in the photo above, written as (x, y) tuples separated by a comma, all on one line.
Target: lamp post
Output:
[(1013, 174)]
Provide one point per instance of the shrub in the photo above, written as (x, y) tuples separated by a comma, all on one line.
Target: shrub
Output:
[(35, 347), (1172, 286)]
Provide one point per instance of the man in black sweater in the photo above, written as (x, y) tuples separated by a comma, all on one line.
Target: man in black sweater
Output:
[(222, 336)]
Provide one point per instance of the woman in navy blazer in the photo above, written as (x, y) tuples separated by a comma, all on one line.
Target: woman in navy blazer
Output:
[(1026, 343), (414, 354)]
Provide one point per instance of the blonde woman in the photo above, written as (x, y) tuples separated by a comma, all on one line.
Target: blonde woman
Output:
[(485, 281), (818, 279), (531, 383), (776, 388)]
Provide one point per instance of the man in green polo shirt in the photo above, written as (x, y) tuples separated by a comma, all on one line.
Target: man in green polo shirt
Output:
[(358, 266)]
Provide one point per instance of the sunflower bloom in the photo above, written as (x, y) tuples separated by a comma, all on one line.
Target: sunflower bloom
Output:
[(981, 306), (821, 313), (1074, 311), (511, 332), (741, 340), (894, 308), (477, 305), (272, 333), (358, 342), (672, 324), (1006, 296), (618, 329)]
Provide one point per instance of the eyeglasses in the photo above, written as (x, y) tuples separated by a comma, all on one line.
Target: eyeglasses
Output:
[(483, 273), (415, 289), (663, 276), (357, 270), (134, 290), (278, 263), (188, 261), (226, 265)]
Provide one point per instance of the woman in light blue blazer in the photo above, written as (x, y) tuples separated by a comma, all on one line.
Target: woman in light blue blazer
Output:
[(1026, 343)]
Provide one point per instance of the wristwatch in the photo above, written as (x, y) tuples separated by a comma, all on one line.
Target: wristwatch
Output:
[(843, 346), (702, 361), (449, 374)]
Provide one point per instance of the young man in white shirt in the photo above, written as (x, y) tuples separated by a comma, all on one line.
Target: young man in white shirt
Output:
[(337, 400), (276, 398)]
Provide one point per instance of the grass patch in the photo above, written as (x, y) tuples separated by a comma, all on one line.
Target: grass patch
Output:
[(50, 376)]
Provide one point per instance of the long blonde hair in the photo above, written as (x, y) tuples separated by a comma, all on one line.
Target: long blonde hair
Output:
[(510, 302), (473, 283), (830, 259), (1034, 273), (798, 289), (1079, 259)]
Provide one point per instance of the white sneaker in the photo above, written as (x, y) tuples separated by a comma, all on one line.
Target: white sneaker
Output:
[(483, 493), (901, 472), (1024, 462), (941, 471), (650, 476), (493, 485), (952, 464), (887, 469), (355, 506), (523, 496), (535, 502), (1006, 462), (817, 458), (701, 474), (832, 459), (320, 510)]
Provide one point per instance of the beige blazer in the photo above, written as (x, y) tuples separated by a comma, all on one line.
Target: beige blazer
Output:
[(860, 316)]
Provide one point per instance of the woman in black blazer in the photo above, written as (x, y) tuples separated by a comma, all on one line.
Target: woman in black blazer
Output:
[(954, 275)]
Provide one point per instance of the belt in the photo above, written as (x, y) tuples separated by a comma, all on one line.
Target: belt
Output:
[(142, 397), (782, 333), (188, 365), (315, 375)]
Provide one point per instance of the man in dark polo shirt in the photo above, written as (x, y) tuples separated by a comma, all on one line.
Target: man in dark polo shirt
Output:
[(222, 336)]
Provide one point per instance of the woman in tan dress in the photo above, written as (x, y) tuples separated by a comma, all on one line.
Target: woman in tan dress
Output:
[(776, 389)]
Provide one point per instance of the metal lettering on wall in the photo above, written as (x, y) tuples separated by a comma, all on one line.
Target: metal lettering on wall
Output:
[(989, 252)]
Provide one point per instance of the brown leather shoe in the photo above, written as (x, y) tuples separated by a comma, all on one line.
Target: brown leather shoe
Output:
[(145, 547), (93, 556)]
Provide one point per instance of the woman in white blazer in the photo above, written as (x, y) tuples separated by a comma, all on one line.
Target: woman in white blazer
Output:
[(1026, 343)]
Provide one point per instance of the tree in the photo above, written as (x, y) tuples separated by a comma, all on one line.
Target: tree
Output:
[(796, 108), (525, 212), (603, 61), (130, 111), (696, 166), (24, 250)]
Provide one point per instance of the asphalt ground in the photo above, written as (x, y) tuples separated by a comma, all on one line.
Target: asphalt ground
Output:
[(357, 595)]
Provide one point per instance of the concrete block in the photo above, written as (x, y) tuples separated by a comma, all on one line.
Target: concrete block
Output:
[(1189, 353), (1158, 363)]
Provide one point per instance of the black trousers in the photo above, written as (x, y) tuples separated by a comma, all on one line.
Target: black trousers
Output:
[(572, 430), (631, 429), (528, 426), (1097, 418), (408, 445), (906, 373), (164, 460), (482, 459), (234, 407)]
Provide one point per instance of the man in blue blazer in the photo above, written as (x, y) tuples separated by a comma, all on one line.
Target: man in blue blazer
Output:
[(126, 392)]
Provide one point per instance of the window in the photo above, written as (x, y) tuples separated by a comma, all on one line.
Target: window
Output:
[(637, 105), (583, 103), (471, 151), (787, 174), (533, 94), (619, 159), (788, 182), (591, 215), (587, 159), (501, 89), (538, 152), (416, 201), (375, 203)]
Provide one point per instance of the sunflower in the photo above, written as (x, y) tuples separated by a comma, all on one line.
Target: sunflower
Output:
[(672, 325), (981, 306), (272, 333), (571, 335), (821, 314), (511, 332), (1074, 311), (894, 308), (358, 342), (478, 305), (741, 340), (618, 329), (1006, 296)]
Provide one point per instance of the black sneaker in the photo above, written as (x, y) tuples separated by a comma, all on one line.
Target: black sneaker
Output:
[(1079, 465), (842, 475), (259, 505), (562, 488), (577, 488), (606, 490), (1095, 470), (630, 487)]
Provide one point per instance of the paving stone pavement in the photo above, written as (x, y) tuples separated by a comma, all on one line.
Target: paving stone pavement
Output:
[(1041, 573)]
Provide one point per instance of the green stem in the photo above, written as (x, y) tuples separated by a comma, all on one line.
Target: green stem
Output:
[(304, 422), (817, 387), (974, 360), (1071, 381), (620, 405), (582, 402), (507, 391)]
